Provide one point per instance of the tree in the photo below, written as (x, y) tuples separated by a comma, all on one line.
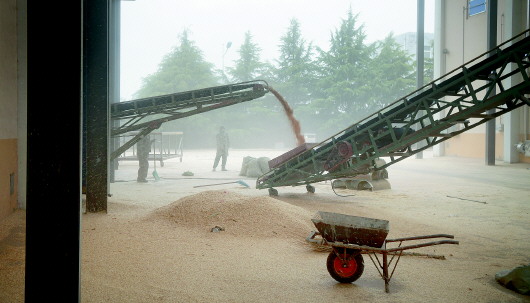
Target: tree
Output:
[(295, 70), (292, 78), (183, 69), (393, 73), (247, 121), (345, 77), (428, 75), (248, 67)]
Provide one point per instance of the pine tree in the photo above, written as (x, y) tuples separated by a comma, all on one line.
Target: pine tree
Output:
[(345, 78), (248, 67), (183, 69), (295, 70), (394, 74)]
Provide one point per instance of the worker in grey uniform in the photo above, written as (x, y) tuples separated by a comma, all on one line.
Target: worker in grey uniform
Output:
[(222, 148), (143, 149)]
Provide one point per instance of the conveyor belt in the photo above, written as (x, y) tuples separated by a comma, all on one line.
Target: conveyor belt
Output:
[(147, 114), (464, 98)]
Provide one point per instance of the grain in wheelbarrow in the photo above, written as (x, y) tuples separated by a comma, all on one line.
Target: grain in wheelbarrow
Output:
[(239, 215)]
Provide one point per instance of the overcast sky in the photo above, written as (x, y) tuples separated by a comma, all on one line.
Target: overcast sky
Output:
[(151, 28)]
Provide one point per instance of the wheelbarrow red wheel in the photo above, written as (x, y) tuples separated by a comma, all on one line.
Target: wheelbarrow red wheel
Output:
[(345, 266)]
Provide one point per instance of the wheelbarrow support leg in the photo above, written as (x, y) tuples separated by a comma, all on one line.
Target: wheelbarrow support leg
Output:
[(385, 270)]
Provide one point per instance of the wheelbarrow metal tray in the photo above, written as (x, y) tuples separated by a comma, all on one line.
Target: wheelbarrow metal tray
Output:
[(347, 229)]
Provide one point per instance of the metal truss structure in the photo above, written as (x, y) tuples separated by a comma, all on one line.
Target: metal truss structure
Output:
[(147, 114), (468, 96)]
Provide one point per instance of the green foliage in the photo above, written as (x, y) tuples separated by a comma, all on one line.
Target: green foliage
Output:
[(182, 69), (345, 76), (328, 90), (248, 66), (428, 68), (428, 75), (295, 71), (393, 71)]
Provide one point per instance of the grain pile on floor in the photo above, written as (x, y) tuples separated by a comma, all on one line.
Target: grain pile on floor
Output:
[(239, 215)]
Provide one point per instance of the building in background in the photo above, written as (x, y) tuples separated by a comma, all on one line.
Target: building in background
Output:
[(12, 107), (461, 35), (408, 42)]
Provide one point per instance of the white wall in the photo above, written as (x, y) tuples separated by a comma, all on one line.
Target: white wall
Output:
[(22, 99), (8, 70), (460, 38), (8, 107)]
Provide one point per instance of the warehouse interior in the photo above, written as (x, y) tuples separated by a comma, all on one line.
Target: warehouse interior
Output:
[(66, 71)]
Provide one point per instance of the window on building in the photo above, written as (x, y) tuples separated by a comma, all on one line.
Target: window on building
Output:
[(476, 7), (427, 51)]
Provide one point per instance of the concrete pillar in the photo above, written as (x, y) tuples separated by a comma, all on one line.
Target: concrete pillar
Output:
[(22, 100), (513, 26), (492, 43), (114, 75), (420, 54), (439, 56), (53, 212), (96, 102)]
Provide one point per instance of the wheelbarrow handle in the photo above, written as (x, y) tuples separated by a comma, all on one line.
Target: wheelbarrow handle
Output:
[(421, 245), (421, 237)]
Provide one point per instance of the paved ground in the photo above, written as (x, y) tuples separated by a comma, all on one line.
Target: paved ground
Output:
[(131, 255)]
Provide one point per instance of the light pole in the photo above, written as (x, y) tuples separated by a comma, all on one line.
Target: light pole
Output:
[(228, 45)]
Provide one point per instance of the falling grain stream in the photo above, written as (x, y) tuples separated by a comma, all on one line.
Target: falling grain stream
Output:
[(295, 125)]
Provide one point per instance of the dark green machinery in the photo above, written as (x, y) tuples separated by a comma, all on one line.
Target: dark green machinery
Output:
[(142, 116), (147, 114), (468, 96)]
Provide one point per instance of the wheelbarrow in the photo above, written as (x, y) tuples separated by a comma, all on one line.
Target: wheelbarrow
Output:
[(352, 236)]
